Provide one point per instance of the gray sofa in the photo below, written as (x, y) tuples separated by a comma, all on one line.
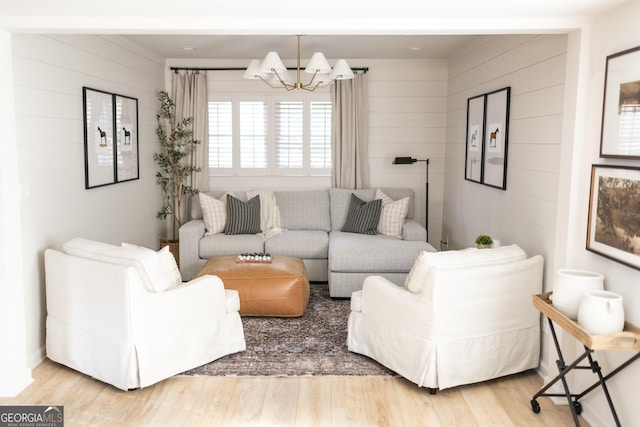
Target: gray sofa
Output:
[(312, 221)]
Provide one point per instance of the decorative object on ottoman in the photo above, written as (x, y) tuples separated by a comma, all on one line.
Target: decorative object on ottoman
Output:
[(278, 288), (569, 289)]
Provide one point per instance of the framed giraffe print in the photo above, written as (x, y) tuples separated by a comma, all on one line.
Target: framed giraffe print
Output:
[(99, 138), (487, 134), (110, 138)]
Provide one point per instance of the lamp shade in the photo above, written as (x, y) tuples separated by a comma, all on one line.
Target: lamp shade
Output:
[(341, 71), (272, 62), (318, 63), (253, 70), (404, 160)]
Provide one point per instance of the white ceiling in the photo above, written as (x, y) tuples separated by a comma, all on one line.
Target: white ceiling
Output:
[(247, 29), (333, 46)]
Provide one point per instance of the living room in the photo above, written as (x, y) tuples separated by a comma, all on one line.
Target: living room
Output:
[(554, 67)]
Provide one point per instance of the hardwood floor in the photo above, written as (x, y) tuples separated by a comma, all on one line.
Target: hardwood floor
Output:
[(290, 401)]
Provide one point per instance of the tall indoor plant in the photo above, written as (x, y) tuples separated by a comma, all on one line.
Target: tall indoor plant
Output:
[(174, 165)]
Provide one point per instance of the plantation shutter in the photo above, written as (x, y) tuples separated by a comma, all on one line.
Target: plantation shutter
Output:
[(253, 135), (289, 134), (220, 135)]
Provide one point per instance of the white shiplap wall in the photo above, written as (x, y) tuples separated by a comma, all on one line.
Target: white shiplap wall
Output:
[(534, 67), (49, 73), (407, 117), (408, 109)]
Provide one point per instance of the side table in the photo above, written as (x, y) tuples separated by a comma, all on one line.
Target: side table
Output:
[(628, 339)]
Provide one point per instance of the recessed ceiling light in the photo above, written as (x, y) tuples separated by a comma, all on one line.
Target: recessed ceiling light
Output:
[(187, 48), (415, 47)]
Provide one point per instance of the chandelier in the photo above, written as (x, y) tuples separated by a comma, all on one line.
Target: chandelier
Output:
[(272, 71)]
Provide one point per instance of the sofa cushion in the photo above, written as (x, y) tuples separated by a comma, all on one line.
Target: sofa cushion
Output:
[(362, 217), (470, 257), (229, 244), (147, 262), (306, 244), (214, 212), (242, 217), (363, 253), (304, 210), (392, 215)]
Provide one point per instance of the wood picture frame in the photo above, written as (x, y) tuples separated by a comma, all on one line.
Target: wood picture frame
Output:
[(620, 131), (614, 214)]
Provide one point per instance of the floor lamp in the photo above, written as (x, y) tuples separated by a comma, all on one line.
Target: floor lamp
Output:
[(409, 161)]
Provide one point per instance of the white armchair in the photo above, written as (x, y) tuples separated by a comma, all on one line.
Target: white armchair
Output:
[(462, 317), (105, 321)]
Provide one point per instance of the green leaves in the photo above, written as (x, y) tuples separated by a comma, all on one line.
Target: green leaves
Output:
[(175, 164)]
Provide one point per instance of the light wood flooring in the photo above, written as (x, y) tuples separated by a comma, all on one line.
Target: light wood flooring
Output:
[(290, 401)]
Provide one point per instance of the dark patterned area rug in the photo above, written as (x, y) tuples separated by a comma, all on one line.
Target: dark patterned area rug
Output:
[(313, 344)]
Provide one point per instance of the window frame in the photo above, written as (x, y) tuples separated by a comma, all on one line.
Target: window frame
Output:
[(271, 99)]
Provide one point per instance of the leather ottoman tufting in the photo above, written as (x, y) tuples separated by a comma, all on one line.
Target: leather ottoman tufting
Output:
[(279, 288)]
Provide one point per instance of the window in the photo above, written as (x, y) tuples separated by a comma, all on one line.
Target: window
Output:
[(270, 135)]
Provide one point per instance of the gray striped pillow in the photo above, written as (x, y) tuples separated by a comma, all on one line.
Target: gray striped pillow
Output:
[(362, 216), (242, 217)]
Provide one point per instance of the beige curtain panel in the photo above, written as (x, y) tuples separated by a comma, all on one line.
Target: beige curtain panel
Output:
[(350, 133)]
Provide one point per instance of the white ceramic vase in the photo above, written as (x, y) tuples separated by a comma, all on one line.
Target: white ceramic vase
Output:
[(601, 313), (569, 288)]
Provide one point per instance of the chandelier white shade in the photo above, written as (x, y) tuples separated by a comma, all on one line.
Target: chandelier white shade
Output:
[(273, 72)]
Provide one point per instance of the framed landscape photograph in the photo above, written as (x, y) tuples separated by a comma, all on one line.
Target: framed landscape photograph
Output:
[(620, 133), (98, 138), (614, 213), (475, 131)]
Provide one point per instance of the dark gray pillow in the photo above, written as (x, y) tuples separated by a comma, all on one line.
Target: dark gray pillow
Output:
[(242, 217), (362, 217)]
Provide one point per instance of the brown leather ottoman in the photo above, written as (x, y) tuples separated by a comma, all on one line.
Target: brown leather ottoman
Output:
[(279, 288)]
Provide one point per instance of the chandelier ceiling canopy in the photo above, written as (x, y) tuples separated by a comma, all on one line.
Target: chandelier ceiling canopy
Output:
[(273, 72)]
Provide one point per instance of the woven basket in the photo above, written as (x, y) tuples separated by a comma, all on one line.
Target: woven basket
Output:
[(174, 248)]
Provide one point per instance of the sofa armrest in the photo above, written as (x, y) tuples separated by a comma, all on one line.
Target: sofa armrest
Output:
[(413, 230), (385, 302), (190, 235)]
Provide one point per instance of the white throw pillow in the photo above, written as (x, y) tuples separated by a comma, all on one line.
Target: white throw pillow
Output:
[(470, 257), (171, 266), (214, 213), (392, 215), (146, 261), (169, 276)]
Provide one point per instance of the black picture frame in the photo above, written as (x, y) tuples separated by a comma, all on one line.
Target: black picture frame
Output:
[(110, 138), (620, 131), (614, 214), (487, 138), (475, 132), (126, 125)]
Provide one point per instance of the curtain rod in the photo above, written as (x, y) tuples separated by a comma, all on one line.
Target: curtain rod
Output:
[(176, 69)]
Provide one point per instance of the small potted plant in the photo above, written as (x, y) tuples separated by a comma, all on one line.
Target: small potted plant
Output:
[(174, 166), (484, 241)]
